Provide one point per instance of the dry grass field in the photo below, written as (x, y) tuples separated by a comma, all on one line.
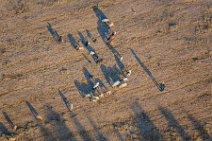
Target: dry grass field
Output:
[(169, 41)]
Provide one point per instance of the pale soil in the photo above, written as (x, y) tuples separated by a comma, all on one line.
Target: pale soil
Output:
[(173, 39)]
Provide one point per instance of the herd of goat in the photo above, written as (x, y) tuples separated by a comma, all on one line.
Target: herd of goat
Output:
[(108, 36), (97, 89)]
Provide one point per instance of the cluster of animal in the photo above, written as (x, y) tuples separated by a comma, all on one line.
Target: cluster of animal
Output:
[(97, 88), (81, 44)]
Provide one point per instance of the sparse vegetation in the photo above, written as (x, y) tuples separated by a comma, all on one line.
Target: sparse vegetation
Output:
[(172, 41)]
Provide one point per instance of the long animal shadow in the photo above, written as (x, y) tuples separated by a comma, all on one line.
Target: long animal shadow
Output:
[(99, 134), (81, 129), (54, 33), (85, 88), (65, 101), (91, 50), (147, 128), (5, 131), (59, 130), (85, 42), (173, 123), (72, 41), (9, 121), (160, 86), (111, 74), (121, 67), (199, 127), (86, 58), (33, 111), (117, 132), (103, 30), (90, 35), (101, 85), (119, 136), (46, 133)]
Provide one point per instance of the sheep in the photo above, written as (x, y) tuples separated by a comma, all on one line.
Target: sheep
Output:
[(115, 84), (129, 72), (96, 57), (78, 46), (122, 85), (110, 37), (108, 23), (97, 88)]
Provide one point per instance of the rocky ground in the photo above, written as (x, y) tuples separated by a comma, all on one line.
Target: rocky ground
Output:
[(169, 41)]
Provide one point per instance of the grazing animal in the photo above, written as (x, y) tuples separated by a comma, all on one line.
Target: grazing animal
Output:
[(115, 84), (96, 86), (96, 57), (77, 46), (110, 37), (122, 85), (108, 23), (129, 72)]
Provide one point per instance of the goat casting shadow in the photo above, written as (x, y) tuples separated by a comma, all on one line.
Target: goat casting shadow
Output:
[(103, 29)]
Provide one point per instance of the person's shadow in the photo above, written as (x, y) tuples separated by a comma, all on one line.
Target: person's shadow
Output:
[(160, 86)]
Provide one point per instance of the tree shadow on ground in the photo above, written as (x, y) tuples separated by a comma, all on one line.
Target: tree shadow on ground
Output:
[(174, 124), (147, 128), (58, 129), (199, 127), (160, 86), (81, 129), (46, 133), (99, 134)]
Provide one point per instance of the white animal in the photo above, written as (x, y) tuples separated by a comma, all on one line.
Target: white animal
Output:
[(122, 85), (108, 22), (116, 83), (92, 53), (129, 72), (96, 85), (105, 20)]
